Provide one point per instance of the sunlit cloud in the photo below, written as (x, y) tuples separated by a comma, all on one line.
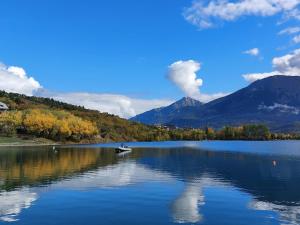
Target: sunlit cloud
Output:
[(120, 105), (184, 75), (288, 65), (289, 31), (208, 14), (14, 79)]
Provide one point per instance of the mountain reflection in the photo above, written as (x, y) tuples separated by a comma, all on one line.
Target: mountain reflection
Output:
[(273, 186)]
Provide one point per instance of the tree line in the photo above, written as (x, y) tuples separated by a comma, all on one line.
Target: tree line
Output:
[(56, 125), (60, 125), (48, 118), (244, 132)]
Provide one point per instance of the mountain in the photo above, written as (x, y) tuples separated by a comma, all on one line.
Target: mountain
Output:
[(273, 101), (186, 108)]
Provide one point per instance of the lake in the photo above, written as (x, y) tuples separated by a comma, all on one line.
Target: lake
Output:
[(210, 182)]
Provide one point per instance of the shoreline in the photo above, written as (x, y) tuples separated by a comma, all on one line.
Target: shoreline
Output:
[(18, 144), (27, 145)]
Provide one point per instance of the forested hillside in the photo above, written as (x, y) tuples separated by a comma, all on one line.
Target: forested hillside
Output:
[(44, 117), (35, 117)]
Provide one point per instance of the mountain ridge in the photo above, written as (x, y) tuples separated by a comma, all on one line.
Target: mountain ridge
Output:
[(161, 115), (273, 101)]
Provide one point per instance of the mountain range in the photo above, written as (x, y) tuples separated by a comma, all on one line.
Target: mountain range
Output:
[(273, 101)]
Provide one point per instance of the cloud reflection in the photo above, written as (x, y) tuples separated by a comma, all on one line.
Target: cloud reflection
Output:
[(288, 214), (122, 174), (13, 202), (185, 207)]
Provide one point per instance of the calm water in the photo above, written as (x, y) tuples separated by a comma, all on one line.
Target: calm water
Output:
[(157, 183)]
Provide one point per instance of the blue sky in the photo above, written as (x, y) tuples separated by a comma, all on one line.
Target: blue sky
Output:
[(126, 47)]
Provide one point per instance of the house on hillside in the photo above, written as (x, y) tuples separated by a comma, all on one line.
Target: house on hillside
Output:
[(3, 107)]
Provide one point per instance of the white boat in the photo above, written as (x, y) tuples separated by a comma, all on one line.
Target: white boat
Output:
[(123, 154), (122, 148)]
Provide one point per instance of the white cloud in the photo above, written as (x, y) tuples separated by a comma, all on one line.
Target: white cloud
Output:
[(120, 105), (296, 39), (253, 52), (183, 75), (289, 30), (209, 97), (288, 65), (14, 79), (207, 14), (251, 77)]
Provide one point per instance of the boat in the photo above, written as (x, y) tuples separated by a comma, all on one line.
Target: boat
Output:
[(122, 148), (123, 154)]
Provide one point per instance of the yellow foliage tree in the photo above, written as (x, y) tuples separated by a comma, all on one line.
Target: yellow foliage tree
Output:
[(53, 124)]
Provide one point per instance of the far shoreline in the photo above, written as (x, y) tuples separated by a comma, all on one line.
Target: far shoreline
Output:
[(16, 144)]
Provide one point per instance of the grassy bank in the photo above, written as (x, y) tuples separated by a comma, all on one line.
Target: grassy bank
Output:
[(19, 141)]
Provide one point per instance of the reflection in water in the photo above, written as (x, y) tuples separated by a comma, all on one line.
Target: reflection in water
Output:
[(122, 174), (288, 214), (185, 207), (24, 174), (41, 166), (13, 202)]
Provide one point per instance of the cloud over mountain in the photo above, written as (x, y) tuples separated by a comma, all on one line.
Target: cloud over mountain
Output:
[(120, 105), (183, 75), (288, 65)]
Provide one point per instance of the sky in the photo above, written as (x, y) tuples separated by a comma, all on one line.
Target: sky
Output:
[(126, 57)]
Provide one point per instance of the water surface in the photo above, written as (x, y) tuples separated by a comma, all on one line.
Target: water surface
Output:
[(157, 183)]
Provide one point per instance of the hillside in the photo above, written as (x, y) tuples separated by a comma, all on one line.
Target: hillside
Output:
[(273, 101), (109, 127)]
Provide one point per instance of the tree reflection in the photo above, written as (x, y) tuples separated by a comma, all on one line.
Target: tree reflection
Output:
[(273, 186)]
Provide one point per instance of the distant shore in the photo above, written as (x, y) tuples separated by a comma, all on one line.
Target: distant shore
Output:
[(18, 142), (34, 141)]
